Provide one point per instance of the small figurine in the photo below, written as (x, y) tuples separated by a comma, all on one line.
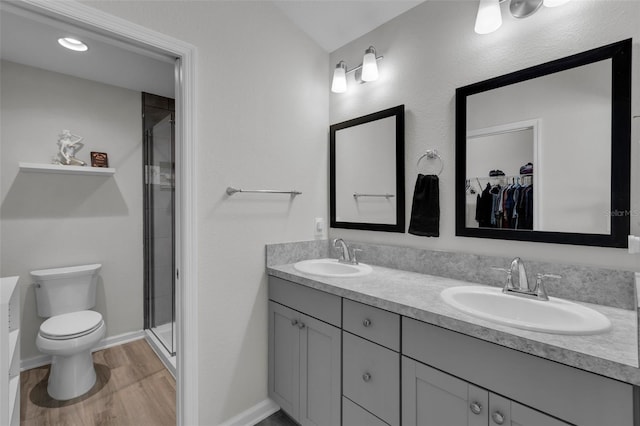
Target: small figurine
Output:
[(68, 145)]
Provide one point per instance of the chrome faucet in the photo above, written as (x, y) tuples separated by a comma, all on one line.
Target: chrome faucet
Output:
[(523, 289), (348, 254), (523, 283)]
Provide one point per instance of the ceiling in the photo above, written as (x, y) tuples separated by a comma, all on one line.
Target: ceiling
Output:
[(334, 23), (31, 39)]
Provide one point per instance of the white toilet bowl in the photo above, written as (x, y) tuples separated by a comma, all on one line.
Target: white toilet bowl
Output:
[(69, 338)]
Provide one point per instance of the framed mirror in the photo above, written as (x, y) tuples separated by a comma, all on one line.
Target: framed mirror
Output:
[(543, 154), (366, 175)]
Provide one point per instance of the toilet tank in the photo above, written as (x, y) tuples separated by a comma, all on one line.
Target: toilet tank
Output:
[(64, 290)]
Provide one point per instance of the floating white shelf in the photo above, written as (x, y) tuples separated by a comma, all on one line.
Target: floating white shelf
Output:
[(70, 170)]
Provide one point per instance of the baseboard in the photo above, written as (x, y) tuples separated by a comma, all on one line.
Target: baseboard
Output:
[(108, 342), (253, 415)]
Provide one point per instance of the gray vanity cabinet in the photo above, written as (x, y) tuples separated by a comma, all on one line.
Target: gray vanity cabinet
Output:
[(572, 395), (284, 358), (304, 355), (371, 365), (433, 398), (334, 361)]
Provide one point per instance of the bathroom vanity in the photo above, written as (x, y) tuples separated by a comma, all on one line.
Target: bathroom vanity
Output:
[(384, 349)]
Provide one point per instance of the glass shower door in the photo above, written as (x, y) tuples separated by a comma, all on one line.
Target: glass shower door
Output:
[(159, 230)]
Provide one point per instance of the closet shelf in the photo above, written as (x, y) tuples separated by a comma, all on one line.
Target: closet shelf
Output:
[(70, 170)]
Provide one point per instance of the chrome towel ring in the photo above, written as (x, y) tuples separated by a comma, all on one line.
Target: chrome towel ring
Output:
[(431, 154)]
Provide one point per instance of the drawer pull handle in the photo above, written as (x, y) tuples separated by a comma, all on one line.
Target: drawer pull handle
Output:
[(301, 325), (476, 407), (498, 417), (366, 322), (366, 377), (294, 322)]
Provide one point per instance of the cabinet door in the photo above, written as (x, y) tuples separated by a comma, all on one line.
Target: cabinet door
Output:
[(284, 358), (525, 416), (433, 398), (371, 377), (320, 349)]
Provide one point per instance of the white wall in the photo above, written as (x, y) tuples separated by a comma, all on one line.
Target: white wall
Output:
[(262, 124), (430, 51), (52, 220)]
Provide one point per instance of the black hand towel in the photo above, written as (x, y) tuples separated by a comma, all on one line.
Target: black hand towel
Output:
[(425, 211)]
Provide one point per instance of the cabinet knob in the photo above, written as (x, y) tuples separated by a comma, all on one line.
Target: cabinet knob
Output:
[(366, 377), (301, 325), (498, 417), (294, 322), (476, 407), (366, 322)]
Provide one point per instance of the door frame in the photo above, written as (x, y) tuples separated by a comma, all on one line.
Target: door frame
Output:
[(186, 177)]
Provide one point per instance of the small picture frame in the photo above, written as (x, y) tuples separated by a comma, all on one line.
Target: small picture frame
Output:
[(99, 159)]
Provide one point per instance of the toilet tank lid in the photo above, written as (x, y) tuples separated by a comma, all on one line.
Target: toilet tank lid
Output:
[(68, 271)]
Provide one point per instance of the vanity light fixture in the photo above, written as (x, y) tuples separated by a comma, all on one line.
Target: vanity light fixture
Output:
[(339, 83), (73, 44), (369, 65), (489, 17), (368, 71)]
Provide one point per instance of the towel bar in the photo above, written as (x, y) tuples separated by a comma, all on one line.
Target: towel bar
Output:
[(231, 191)]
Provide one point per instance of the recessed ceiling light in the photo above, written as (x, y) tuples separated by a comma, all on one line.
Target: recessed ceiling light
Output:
[(73, 44)]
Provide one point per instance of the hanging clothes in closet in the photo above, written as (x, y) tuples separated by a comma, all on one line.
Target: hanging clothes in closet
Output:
[(508, 206)]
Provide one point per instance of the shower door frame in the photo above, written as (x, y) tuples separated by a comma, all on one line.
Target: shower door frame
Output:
[(149, 320), (152, 41)]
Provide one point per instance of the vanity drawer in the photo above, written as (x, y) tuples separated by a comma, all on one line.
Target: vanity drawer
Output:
[(371, 377), (315, 303), (355, 415), (372, 323)]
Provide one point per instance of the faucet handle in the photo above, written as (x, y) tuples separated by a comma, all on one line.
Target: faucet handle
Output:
[(353, 253), (540, 291), (540, 277), (508, 285)]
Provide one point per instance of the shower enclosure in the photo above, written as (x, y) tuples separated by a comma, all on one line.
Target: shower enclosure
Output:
[(159, 211)]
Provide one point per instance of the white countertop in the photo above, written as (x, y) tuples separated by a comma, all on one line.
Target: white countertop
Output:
[(613, 354)]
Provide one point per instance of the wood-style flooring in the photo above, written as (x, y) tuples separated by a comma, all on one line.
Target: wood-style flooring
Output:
[(132, 388), (277, 419)]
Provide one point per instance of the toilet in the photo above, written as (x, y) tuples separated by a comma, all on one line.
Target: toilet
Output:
[(64, 296)]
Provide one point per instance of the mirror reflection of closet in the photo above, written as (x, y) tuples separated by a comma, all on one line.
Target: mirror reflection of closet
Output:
[(578, 110), (510, 150)]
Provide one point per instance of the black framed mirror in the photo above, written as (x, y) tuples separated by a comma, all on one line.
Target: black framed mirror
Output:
[(366, 176), (543, 154)]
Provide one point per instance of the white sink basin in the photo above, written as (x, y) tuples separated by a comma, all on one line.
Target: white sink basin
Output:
[(332, 268), (553, 316)]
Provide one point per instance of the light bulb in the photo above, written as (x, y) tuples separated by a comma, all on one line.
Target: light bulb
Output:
[(555, 3), (489, 17), (369, 65), (73, 44), (339, 83)]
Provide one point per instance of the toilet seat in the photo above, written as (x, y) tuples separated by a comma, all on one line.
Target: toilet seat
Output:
[(71, 325)]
